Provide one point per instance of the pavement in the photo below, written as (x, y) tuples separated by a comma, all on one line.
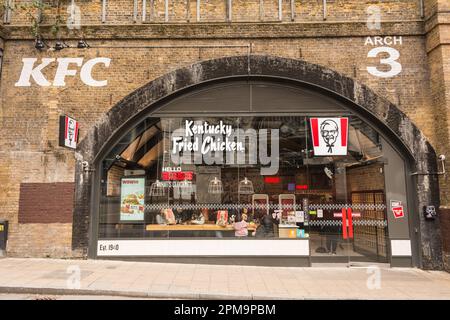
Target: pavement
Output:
[(52, 278), (44, 297)]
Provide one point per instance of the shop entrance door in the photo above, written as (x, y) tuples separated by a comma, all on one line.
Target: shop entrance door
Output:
[(349, 232), (344, 201)]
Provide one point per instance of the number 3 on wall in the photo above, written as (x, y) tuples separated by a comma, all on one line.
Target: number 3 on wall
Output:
[(396, 67)]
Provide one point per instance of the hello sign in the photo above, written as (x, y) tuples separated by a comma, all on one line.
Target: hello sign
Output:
[(65, 67)]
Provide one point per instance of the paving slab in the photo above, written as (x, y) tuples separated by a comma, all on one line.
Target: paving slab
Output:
[(140, 280)]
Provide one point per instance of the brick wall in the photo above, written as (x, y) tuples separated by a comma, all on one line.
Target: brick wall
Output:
[(122, 11), (115, 175), (365, 178), (40, 240), (42, 226), (46, 202), (438, 48), (29, 150)]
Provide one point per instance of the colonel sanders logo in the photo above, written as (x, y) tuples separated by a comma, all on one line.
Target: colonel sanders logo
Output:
[(329, 131), (329, 136)]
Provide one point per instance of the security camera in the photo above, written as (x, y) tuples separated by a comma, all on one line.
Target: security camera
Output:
[(442, 157)]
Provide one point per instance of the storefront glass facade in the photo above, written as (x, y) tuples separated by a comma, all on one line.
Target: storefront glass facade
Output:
[(253, 176), (150, 191)]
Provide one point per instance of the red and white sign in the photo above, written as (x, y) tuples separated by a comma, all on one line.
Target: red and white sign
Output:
[(68, 132), (397, 209), (354, 214), (177, 176), (398, 212), (329, 136)]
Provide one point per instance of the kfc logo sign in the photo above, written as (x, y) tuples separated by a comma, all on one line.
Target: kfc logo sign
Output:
[(68, 132), (397, 209), (65, 67), (330, 136)]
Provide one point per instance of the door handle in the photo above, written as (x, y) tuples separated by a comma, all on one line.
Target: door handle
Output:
[(350, 223), (344, 223), (347, 223)]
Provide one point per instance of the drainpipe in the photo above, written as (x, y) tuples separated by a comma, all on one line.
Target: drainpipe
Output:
[(135, 11), (152, 9), (261, 10), (104, 7), (166, 10), (198, 10), (7, 14), (292, 10), (229, 10), (422, 9), (188, 11), (144, 10), (280, 10)]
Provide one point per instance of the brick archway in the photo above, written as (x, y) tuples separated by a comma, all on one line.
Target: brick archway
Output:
[(394, 123)]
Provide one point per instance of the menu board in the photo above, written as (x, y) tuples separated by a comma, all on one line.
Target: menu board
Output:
[(132, 199)]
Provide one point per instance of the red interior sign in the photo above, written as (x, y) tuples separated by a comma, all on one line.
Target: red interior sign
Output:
[(177, 176), (398, 212)]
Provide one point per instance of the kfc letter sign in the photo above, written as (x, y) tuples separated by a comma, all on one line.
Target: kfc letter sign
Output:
[(329, 136), (29, 70)]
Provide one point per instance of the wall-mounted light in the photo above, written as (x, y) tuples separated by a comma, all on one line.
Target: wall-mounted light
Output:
[(59, 45), (441, 159), (39, 44), (82, 44)]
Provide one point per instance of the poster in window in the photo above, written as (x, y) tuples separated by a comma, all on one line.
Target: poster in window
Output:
[(330, 136), (132, 199)]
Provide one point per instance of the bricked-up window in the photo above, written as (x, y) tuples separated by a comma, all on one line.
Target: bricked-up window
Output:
[(46, 202)]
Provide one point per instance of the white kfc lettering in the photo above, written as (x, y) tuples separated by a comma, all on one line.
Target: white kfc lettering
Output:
[(30, 71), (63, 70), (86, 72)]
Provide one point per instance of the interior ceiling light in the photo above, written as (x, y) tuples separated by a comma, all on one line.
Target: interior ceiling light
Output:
[(157, 189), (245, 187), (215, 186)]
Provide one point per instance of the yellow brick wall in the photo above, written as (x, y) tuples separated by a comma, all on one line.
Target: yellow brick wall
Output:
[(29, 116), (121, 11), (41, 240)]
